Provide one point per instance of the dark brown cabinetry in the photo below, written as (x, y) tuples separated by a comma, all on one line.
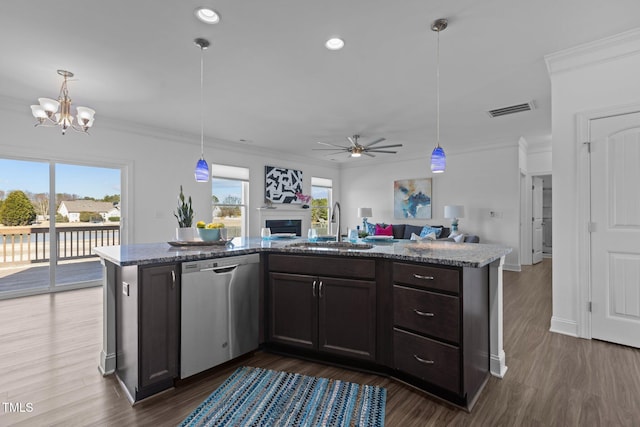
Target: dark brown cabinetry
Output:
[(147, 323), (311, 308), (441, 328)]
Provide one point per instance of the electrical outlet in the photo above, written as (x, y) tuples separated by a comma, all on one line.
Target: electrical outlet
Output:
[(495, 214)]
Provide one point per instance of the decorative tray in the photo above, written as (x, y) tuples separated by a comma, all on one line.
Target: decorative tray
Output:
[(199, 243)]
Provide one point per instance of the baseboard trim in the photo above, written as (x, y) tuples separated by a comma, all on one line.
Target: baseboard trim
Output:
[(107, 364), (564, 326), (497, 365), (512, 267)]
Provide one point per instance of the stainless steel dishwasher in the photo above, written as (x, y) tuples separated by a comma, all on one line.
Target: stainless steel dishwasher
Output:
[(219, 311)]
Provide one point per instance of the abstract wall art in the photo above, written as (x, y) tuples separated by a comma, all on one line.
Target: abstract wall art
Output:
[(412, 198), (281, 185)]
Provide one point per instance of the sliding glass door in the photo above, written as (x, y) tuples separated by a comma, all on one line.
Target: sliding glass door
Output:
[(47, 242)]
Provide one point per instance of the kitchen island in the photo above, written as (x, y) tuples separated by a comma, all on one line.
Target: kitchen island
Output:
[(461, 283)]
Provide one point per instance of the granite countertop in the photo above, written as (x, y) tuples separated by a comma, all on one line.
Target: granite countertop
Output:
[(444, 253)]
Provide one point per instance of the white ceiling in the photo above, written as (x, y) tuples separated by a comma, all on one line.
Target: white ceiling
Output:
[(270, 81)]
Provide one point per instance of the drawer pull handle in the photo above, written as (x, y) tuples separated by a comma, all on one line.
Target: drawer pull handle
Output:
[(423, 313), (418, 276), (421, 360), (314, 289)]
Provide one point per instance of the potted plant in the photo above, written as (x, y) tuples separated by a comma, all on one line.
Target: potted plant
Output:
[(184, 215)]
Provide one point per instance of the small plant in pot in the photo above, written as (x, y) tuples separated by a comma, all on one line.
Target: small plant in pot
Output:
[(184, 215)]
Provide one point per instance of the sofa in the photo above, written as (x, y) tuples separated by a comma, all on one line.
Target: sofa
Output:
[(404, 231)]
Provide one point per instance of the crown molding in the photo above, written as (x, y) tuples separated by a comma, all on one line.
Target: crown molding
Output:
[(596, 52)]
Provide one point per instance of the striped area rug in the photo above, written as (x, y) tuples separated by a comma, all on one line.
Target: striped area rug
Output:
[(261, 397)]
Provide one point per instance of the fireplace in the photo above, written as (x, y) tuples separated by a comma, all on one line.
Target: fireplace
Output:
[(285, 226)]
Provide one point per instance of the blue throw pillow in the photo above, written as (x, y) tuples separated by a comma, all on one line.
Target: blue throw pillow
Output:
[(428, 229), (371, 228)]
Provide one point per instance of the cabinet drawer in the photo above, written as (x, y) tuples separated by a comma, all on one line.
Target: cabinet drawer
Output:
[(427, 277), (326, 266), (429, 360), (430, 313)]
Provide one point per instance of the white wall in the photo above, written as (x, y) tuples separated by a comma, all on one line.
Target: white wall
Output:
[(600, 75), (155, 163), (482, 180)]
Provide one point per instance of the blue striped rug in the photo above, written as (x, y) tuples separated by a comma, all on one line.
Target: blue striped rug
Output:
[(261, 397)]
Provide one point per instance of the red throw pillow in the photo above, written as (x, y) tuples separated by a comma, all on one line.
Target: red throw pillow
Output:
[(384, 231)]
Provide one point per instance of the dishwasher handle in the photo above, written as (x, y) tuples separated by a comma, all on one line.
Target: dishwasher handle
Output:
[(223, 269)]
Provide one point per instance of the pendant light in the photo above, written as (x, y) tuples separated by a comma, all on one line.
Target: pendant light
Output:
[(202, 168), (438, 158)]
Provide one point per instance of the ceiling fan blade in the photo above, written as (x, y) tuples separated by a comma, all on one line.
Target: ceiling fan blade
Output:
[(380, 151), (331, 145), (375, 142), (330, 149), (352, 141), (368, 154), (386, 146)]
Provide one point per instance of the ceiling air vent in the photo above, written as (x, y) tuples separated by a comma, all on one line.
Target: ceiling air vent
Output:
[(512, 109)]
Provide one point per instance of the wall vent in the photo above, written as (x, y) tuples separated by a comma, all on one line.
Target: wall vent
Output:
[(512, 109)]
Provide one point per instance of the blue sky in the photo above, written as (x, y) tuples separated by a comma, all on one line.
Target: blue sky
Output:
[(85, 181)]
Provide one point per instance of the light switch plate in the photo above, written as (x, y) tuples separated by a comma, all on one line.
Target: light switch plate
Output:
[(125, 289)]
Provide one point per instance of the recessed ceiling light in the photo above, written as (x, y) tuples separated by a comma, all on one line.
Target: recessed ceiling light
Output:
[(334, 44), (208, 16)]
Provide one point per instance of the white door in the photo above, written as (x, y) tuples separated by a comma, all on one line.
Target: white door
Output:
[(536, 229), (615, 237)]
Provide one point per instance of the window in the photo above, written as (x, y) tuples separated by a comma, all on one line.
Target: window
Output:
[(321, 189), (230, 196)]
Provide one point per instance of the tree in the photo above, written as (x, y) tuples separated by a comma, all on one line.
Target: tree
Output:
[(115, 198), (41, 204), (17, 210), (230, 210), (319, 210)]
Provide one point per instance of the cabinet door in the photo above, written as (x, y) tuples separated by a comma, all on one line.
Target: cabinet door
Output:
[(158, 317), (347, 317), (293, 310)]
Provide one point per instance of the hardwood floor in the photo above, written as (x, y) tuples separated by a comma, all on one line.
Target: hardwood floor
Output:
[(50, 344)]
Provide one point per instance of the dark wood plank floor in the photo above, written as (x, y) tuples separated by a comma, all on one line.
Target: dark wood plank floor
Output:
[(50, 345)]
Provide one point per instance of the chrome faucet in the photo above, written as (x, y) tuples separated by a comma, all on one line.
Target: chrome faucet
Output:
[(336, 208)]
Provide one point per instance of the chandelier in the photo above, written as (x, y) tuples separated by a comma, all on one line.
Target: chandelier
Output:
[(47, 112)]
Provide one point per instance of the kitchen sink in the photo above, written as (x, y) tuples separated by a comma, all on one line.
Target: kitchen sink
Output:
[(331, 245)]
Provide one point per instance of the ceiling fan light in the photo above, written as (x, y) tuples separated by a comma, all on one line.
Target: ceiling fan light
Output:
[(355, 154), (202, 171), (438, 160)]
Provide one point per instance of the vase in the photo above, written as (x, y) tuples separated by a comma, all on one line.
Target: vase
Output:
[(185, 234)]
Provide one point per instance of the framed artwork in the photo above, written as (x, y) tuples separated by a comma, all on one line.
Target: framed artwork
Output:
[(281, 185), (412, 198)]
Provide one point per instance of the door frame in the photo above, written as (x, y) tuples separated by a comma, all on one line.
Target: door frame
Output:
[(583, 135)]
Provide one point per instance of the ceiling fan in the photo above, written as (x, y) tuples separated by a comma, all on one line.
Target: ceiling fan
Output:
[(356, 149)]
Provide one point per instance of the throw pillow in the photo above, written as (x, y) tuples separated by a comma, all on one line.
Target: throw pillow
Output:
[(459, 238), (428, 229), (370, 228), (428, 237), (383, 230)]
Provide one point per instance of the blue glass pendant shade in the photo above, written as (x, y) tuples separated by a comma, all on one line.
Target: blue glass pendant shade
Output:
[(202, 171), (438, 160)]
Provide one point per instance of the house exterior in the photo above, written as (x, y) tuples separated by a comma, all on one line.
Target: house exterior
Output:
[(72, 209)]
